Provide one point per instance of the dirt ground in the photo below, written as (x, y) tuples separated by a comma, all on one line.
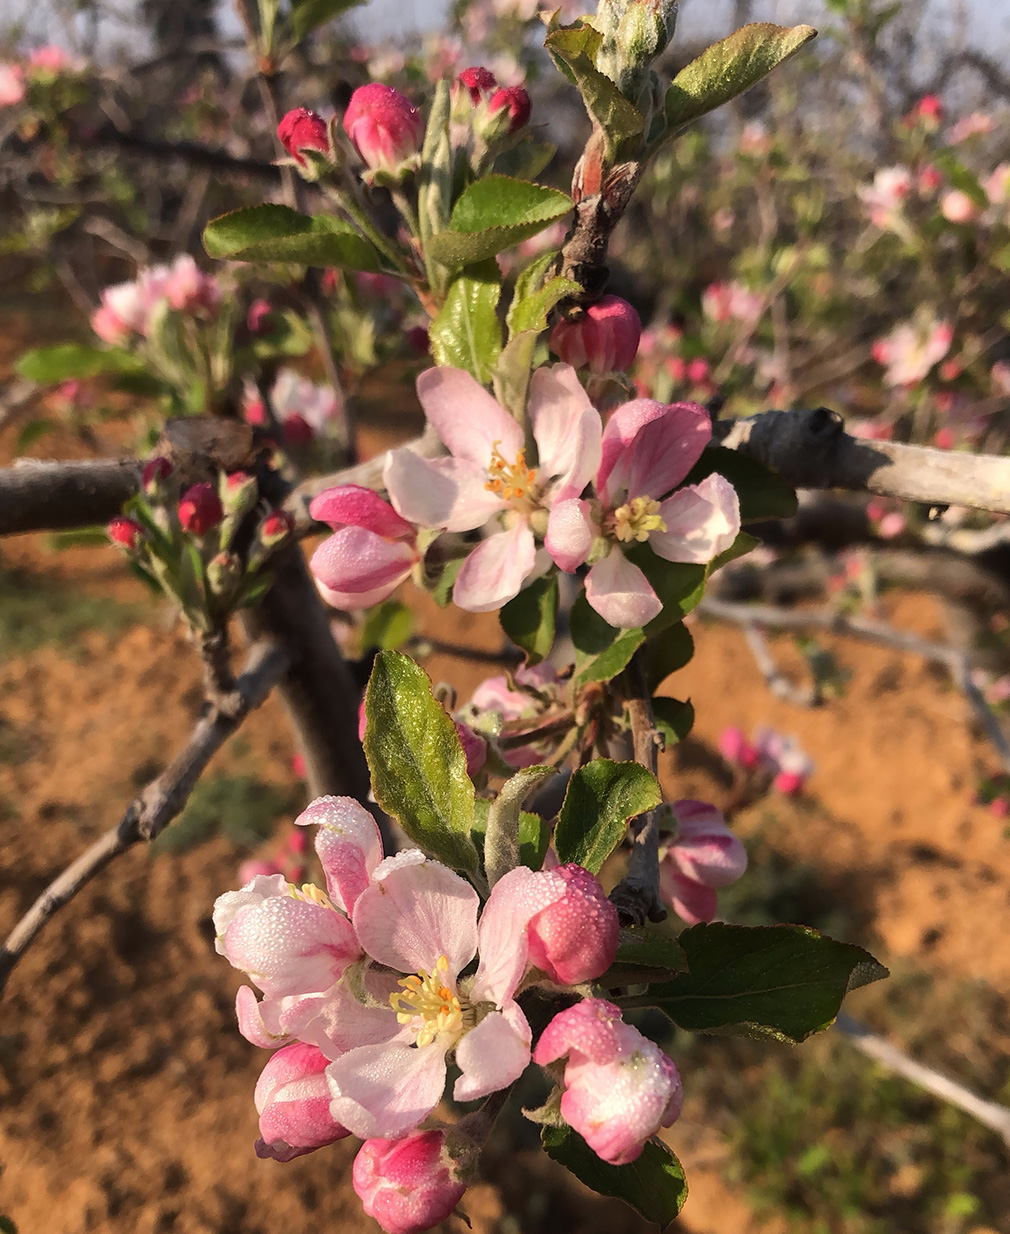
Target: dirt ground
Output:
[(125, 1089)]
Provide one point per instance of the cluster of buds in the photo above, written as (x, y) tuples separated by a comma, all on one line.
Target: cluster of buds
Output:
[(134, 308), (634, 33), (366, 980), (779, 760), (487, 118), (184, 541)]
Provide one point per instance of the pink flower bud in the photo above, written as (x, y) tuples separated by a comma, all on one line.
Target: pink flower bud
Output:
[(276, 528), (156, 471), (604, 340), (109, 327), (789, 782), (516, 102), (12, 85), (944, 439), (478, 81), (302, 129), (704, 848), (958, 207), (293, 1101), (200, 509), (239, 492), (407, 1185), (126, 531), (574, 939), (257, 319), (620, 1088), (385, 127), (474, 747), (735, 748), (698, 370)]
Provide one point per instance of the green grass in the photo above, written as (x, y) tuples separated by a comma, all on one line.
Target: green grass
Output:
[(242, 808), (35, 611)]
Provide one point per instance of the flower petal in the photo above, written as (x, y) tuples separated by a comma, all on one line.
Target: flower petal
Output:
[(493, 1055), (690, 900), (649, 447), (348, 844), (355, 506), (385, 1090), (702, 521), (415, 911), (619, 591), (496, 569), (567, 430), (502, 943), (466, 417), (447, 493), (570, 534), (356, 561)]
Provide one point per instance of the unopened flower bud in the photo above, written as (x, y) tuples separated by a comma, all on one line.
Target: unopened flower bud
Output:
[(257, 320), (386, 130), (126, 532), (635, 33), (156, 471), (407, 1185), (604, 340), (200, 509), (301, 130), (508, 110), (276, 528), (478, 82), (223, 572), (574, 939), (293, 1101), (238, 491)]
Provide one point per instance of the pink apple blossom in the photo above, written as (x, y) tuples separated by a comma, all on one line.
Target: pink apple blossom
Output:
[(620, 1088), (957, 207), (372, 551), (702, 856), (911, 350), (722, 302), (487, 473), (574, 937), (975, 124), (188, 289), (302, 129), (648, 448), (408, 1185), (293, 1101), (52, 60), (997, 185), (12, 85), (884, 198), (514, 707)]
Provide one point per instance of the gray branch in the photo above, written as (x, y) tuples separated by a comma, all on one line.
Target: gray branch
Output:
[(56, 496)]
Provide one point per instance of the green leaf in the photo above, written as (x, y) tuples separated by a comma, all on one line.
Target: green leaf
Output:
[(34, 431), (620, 120), (664, 654), (501, 840), (466, 333), (601, 650), (763, 493), (674, 719), (783, 981), (644, 954), (49, 365), (494, 213), (653, 1184), (534, 840), (602, 797), (387, 626), (679, 585), (529, 620), (530, 312), (417, 762), (278, 233), (730, 67), (308, 15)]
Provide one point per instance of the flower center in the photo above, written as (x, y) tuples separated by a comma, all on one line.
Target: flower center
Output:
[(637, 519), (428, 997), (513, 482), (313, 894)]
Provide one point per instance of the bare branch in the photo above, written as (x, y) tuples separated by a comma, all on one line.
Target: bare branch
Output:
[(989, 1113), (776, 681), (51, 496), (155, 807)]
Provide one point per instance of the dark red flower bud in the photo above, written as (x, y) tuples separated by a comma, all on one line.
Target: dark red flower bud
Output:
[(275, 528), (156, 471), (125, 531), (302, 129), (257, 320), (297, 430), (478, 81), (200, 509), (516, 101)]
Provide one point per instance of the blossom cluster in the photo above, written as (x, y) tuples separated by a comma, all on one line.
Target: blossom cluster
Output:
[(131, 308), (371, 987)]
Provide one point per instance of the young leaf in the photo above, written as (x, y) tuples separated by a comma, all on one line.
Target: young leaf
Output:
[(387, 626), (730, 67), (417, 762), (529, 620), (620, 120), (644, 954), (308, 15), (48, 365), (602, 798), (530, 312), (534, 840), (492, 215), (501, 840), (783, 981), (653, 1184), (762, 492), (664, 654), (674, 719), (278, 233), (466, 333), (601, 650)]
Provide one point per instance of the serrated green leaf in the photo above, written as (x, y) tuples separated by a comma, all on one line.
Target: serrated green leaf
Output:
[(602, 797), (646, 947), (621, 121), (501, 839), (674, 719), (277, 233), (466, 333), (762, 492), (730, 67), (601, 650), (417, 762), (494, 213), (65, 361), (530, 312), (653, 1184), (387, 626), (530, 619), (308, 15), (783, 982), (664, 654)]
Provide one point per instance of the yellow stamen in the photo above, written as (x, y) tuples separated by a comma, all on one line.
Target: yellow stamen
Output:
[(313, 894), (429, 996), (637, 519), (511, 481)]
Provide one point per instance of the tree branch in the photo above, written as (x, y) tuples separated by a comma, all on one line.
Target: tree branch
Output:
[(53, 496), (155, 807)]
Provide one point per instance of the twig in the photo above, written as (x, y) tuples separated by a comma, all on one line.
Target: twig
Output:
[(155, 807), (776, 681), (54, 496), (637, 894), (989, 1113)]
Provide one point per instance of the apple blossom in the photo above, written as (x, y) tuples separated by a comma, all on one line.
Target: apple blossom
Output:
[(126, 532), (372, 551), (957, 207), (408, 1185), (12, 85), (620, 1088), (702, 856), (510, 704), (574, 937), (293, 1101), (487, 473), (911, 350), (884, 198), (604, 340)]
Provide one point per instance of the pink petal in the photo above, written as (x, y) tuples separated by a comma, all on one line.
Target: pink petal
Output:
[(702, 521), (385, 1090), (570, 533), (690, 900), (567, 430), (250, 1022), (619, 591), (356, 600), (292, 1098), (337, 1023), (352, 505), (348, 844), (502, 943), (649, 447), (496, 569), (592, 1028), (466, 417), (447, 493), (493, 1055), (705, 849), (415, 911), (356, 561)]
